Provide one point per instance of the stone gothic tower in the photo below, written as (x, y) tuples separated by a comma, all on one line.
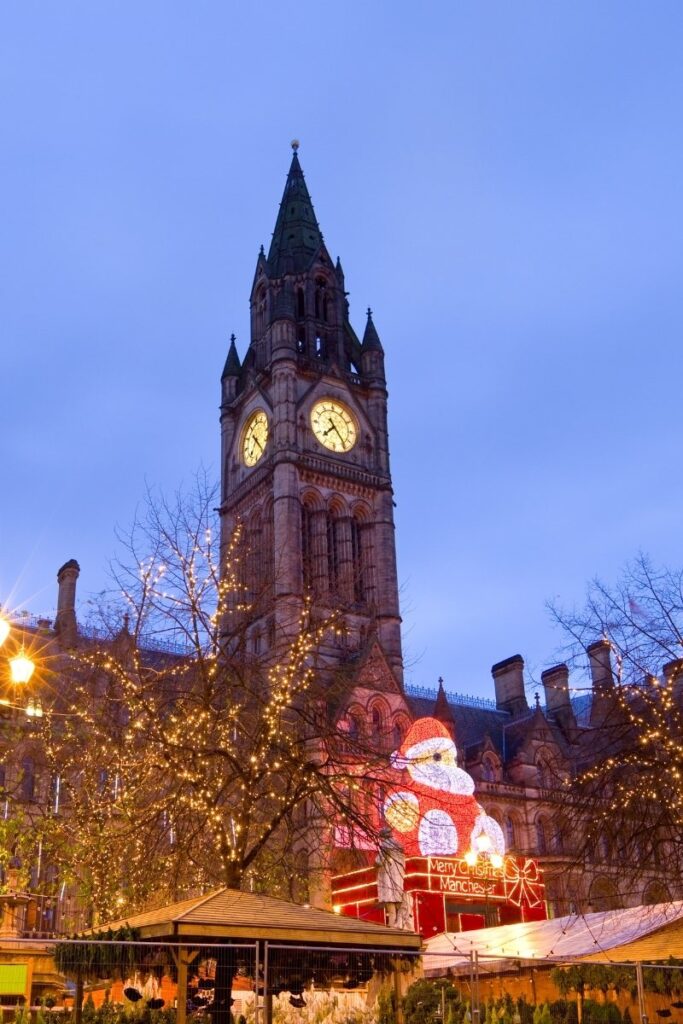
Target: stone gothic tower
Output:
[(305, 454)]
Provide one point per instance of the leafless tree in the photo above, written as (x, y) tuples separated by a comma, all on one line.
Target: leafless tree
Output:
[(625, 805), (185, 757)]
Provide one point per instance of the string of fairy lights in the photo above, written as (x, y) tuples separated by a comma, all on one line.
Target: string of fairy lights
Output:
[(174, 773)]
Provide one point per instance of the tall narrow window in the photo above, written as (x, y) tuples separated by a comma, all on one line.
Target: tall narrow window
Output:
[(541, 839), (358, 566), (376, 722), (307, 545), (300, 304), (267, 551), (28, 779), (321, 299), (332, 553)]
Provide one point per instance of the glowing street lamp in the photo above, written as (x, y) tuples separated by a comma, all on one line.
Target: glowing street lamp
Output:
[(21, 668)]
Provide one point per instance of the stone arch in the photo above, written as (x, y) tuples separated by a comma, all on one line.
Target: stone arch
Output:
[(378, 716), (352, 723), (656, 892), (546, 768), (543, 834), (267, 560), (495, 813), (312, 497), (260, 309), (339, 549), (362, 553), (603, 894), (252, 553), (490, 767), (399, 728), (313, 541), (512, 830)]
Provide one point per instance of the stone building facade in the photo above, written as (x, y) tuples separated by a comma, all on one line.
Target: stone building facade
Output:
[(305, 471), (305, 474)]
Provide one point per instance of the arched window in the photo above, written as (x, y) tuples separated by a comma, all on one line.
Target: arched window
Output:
[(260, 305), (300, 304), (28, 779), (541, 836), (253, 557), (400, 728), (267, 551), (375, 722), (354, 728), (358, 562), (307, 545), (558, 840), (488, 769), (510, 833), (656, 892), (333, 551), (321, 298), (603, 895), (545, 771)]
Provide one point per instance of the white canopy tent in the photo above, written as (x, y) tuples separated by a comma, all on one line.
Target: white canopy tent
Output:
[(597, 936)]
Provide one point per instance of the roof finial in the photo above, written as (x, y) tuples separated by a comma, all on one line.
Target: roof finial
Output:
[(369, 312), (440, 680), (233, 339), (538, 700), (295, 144)]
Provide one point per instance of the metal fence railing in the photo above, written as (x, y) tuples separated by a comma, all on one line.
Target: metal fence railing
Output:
[(112, 982)]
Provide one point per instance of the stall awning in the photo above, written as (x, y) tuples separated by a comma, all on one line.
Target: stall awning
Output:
[(637, 933)]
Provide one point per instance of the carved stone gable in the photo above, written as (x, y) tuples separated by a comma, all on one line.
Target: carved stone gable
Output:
[(375, 674)]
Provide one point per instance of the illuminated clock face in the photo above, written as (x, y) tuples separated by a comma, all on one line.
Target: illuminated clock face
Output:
[(333, 425), (254, 438)]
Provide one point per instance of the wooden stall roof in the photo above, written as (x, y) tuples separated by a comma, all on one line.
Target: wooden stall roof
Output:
[(232, 914)]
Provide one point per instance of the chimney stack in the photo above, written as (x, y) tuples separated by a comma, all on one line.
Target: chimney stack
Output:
[(602, 677), (66, 626), (556, 686), (508, 679), (600, 657)]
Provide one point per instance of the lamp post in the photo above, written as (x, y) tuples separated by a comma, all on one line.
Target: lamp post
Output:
[(21, 666)]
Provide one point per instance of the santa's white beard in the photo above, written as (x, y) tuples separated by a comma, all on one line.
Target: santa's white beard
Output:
[(448, 778)]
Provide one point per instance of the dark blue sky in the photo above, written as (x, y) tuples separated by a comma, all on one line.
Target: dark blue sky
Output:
[(503, 183)]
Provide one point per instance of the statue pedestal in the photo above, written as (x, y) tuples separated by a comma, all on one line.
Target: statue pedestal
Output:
[(13, 914)]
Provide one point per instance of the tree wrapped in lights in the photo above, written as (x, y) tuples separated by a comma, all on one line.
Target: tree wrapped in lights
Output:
[(184, 758), (627, 801)]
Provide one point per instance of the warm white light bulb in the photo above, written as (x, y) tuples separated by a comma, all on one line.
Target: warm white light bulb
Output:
[(21, 668), (483, 843), (471, 858), (496, 860)]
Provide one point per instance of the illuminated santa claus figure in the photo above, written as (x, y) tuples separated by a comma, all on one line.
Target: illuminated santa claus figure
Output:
[(434, 810)]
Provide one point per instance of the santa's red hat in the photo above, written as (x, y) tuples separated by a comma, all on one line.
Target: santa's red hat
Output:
[(425, 736)]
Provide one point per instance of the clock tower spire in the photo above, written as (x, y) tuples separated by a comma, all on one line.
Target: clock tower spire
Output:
[(305, 455)]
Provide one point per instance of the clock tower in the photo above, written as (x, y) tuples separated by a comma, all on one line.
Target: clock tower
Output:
[(304, 451)]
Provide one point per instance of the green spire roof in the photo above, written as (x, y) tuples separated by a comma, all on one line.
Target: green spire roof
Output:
[(232, 363), (297, 237), (371, 342)]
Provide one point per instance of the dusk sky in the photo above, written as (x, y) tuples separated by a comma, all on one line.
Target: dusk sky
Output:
[(503, 182)]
